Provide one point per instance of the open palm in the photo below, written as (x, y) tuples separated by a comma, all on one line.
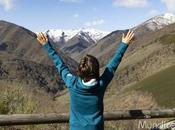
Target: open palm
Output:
[(42, 38), (128, 38)]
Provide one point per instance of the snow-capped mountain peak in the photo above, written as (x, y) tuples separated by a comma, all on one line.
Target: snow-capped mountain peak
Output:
[(159, 21), (164, 19), (67, 34), (95, 34)]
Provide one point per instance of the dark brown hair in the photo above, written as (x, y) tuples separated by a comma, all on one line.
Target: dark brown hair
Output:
[(88, 68)]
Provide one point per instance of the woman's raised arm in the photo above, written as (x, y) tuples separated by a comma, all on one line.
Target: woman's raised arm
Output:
[(55, 57), (112, 66)]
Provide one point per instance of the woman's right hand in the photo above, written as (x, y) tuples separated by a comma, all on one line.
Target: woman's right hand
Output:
[(128, 38), (42, 38)]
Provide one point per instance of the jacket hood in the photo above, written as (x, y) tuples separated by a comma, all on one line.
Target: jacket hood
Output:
[(88, 85), (91, 82)]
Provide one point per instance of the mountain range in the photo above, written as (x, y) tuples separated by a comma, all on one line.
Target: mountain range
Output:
[(73, 41), (20, 43), (18, 46)]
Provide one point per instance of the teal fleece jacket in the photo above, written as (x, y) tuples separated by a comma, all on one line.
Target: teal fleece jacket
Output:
[(86, 99)]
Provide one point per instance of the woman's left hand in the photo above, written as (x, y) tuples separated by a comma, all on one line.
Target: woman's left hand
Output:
[(42, 38)]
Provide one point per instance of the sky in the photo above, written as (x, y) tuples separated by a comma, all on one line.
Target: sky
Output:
[(109, 15)]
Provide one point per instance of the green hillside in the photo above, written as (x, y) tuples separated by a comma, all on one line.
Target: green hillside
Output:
[(161, 85)]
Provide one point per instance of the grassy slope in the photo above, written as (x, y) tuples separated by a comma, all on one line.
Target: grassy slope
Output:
[(161, 85)]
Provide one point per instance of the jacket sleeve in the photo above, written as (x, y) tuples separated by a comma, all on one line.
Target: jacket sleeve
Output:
[(59, 64), (112, 66)]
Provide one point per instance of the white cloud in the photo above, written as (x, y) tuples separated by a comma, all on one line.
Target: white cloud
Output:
[(70, 1), (94, 22), (130, 3), (76, 15), (7, 4), (170, 4)]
